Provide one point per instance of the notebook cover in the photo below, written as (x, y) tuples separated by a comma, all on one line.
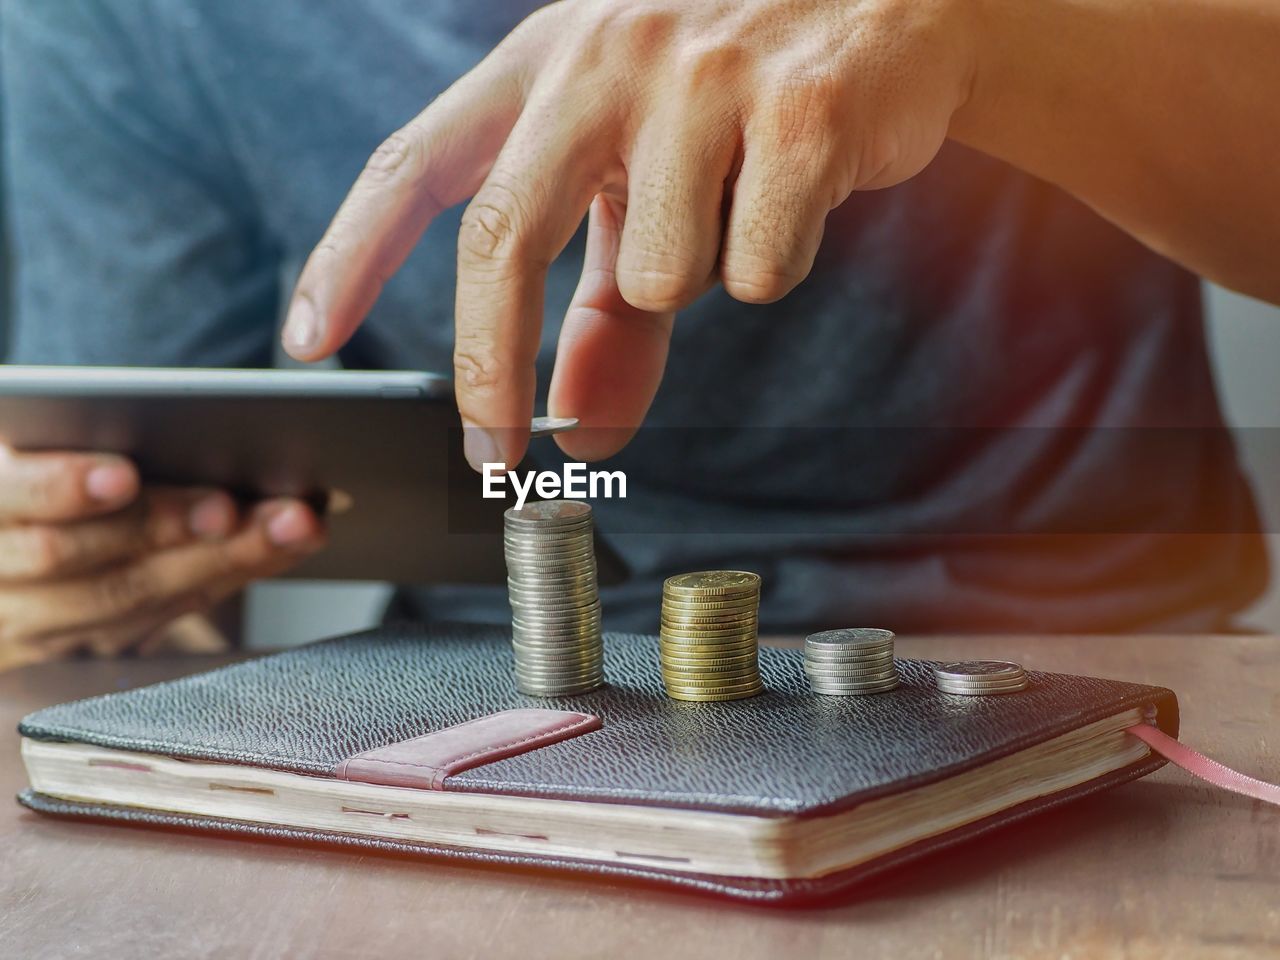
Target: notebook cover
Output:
[(784, 753)]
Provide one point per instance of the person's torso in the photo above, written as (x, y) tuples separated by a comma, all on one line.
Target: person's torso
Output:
[(840, 436)]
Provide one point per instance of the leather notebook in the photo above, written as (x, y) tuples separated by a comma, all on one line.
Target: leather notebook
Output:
[(414, 739)]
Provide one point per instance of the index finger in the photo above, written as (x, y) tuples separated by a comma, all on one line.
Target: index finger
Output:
[(437, 160)]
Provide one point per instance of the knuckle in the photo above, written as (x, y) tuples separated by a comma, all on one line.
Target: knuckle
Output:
[(50, 494), (477, 367), (658, 288), (641, 27), (708, 63), (400, 156), (127, 588), (44, 551), (804, 111), (492, 227), (759, 282), (539, 22)]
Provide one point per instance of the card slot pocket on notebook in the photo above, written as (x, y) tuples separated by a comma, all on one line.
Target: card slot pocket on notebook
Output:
[(424, 762)]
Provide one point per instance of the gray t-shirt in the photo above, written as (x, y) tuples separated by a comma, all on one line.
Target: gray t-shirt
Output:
[(943, 428)]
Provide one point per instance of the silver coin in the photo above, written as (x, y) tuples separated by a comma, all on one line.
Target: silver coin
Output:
[(985, 669), (549, 632), (863, 677), (577, 635), (536, 623), (552, 615), (549, 512), (546, 426), (567, 553), (979, 691), (983, 693), (535, 531), (560, 579), (558, 667), (990, 684), (537, 617), (546, 587), (544, 599), (538, 644), (527, 550), (556, 592), (851, 666), (558, 690), (1013, 678), (578, 593), (534, 602), (830, 690), (547, 543), (564, 670), (848, 637), (528, 556), (558, 612), (566, 609), (546, 673), (883, 656)]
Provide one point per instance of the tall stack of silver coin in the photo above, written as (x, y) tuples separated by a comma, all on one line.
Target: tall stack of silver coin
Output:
[(555, 602), (851, 661), (980, 678)]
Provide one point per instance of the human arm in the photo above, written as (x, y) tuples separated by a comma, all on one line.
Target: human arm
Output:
[(711, 139)]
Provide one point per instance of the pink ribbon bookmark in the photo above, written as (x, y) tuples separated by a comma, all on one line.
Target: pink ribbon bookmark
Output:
[(1198, 765)]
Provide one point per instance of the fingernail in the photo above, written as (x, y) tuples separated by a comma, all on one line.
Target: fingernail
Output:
[(479, 446), (301, 327), (110, 482), (290, 527), (211, 517)]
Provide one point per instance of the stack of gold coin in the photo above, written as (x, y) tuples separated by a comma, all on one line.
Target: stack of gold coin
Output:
[(707, 644)]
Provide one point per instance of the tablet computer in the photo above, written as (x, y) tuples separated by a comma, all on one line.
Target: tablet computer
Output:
[(379, 452)]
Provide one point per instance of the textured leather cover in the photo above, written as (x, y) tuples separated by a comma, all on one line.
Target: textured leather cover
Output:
[(784, 753), (424, 762)]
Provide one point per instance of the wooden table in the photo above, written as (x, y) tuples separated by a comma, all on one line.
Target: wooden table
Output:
[(1161, 868)]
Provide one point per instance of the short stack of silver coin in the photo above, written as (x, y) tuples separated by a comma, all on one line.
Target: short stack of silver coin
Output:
[(980, 678), (555, 602), (850, 661)]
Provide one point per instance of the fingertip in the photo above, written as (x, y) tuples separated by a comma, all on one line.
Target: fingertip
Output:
[(291, 525), (594, 443), (213, 516), (497, 447), (480, 447), (111, 481), (302, 331)]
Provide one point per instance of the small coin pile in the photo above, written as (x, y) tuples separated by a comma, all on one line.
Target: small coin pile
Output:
[(707, 643), (555, 603), (980, 678), (850, 661)]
